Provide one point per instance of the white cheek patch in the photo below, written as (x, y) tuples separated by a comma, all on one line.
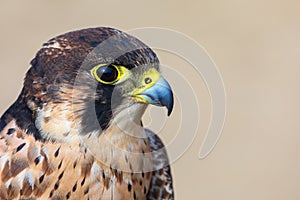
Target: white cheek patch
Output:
[(53, 124)]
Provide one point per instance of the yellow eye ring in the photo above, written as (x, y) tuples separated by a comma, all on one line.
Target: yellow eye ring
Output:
[(107, 73)]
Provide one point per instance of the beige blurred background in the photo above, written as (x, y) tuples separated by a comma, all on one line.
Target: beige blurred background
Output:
[(256, 45)]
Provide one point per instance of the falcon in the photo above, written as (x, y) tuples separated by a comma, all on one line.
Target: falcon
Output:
[(76, 132)]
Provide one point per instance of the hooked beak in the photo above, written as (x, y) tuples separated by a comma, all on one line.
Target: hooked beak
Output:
[(155, 90)]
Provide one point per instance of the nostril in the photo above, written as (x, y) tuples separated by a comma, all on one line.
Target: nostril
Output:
[(148, 80)]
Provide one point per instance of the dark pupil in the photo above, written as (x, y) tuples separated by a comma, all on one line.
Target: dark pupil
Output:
[(107, 74)]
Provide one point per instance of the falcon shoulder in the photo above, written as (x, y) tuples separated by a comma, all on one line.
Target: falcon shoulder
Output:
[(161, 186)]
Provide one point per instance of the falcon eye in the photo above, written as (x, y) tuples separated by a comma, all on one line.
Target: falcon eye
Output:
[(107, 74), (110, 73)]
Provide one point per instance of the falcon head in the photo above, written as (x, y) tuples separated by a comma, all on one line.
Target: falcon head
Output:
[(85, 80)]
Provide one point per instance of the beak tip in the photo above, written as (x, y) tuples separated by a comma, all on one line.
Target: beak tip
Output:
[(170, 105), (169, 112)]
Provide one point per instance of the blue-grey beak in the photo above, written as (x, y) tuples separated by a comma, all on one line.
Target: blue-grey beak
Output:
[(159, 94)]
